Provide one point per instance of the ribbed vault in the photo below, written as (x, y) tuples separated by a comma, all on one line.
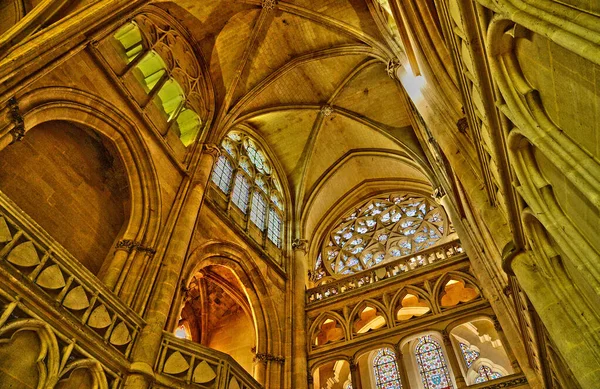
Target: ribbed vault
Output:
[(309, 77)]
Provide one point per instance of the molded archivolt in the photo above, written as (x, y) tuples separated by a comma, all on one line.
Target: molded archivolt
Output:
[(19, 19), (49, 104)]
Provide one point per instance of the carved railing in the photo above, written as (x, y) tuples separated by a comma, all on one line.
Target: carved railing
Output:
[(193, 363), (383, 272), (44, 270)]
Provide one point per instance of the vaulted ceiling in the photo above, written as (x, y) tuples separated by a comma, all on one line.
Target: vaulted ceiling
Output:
[(279, 71)]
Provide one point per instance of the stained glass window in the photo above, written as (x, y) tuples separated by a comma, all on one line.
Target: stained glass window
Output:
[(382, 229), (258, 210), (241, 192), (385, 369), (274, 232), (222, 173), (348, 385), (246, 163), (469, 355), (486, 374), (432, 365)]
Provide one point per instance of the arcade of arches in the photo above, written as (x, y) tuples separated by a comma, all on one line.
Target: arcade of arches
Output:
[(323, 194)]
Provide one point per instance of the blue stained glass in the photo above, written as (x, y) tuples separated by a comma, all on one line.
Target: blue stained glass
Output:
[(432, 366), (385, 370)]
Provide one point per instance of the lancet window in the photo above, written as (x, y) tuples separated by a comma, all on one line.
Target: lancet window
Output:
[(385, 370), (383, 229), (432, 364), (244, 173)]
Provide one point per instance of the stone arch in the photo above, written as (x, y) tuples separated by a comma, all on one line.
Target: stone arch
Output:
[(70, 105), (380, 311), (467, 281), (47, 362), (78, 371), (267, 327), (397, 300), (315, 327)]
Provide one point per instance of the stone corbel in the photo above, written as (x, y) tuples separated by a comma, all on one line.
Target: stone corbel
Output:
[(509, 252)]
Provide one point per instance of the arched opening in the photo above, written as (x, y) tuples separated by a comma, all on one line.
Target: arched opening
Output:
[(379, 369), (218, 314), (73, 183), (481, 352), (333, 375), (426, 361)]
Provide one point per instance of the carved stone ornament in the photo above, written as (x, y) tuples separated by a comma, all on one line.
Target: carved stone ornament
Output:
[(212, 149), (463, 125), (266, 357), (300, 244), (269, 5), (327, 110), (438, 193), (392, 67), (18, 131), (130, 245)]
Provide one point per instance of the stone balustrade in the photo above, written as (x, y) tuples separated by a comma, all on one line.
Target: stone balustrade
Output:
[(49, 272), (45, 290), (383, 272), (195, 364)]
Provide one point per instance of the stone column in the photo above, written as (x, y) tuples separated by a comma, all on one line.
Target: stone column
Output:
[(570, 340), (148, 344), (402, 372), (355, 375), (454, 362), (299, 345), (509, 353)]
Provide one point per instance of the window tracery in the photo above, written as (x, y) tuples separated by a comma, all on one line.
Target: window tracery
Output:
[(432, 365), (245, 170), (385, 369), (158, 59), (486, 374), (469, 354), (382, 229)]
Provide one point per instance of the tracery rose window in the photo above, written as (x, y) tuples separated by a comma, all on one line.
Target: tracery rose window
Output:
[(383, 229)]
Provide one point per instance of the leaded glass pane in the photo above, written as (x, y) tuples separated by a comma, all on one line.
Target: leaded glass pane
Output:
[(222, 174), (274, 232), (241, 192), (432, 365), (385, 369), (258, 210), (468, 354)]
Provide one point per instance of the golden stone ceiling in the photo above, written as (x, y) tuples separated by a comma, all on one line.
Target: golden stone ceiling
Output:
[(309, 78)]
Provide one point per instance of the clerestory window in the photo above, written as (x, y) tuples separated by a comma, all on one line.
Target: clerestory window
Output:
[(245, 175)]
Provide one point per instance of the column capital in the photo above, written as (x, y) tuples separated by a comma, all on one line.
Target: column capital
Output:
[(211, 149), (300, 245), (392, 67)]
